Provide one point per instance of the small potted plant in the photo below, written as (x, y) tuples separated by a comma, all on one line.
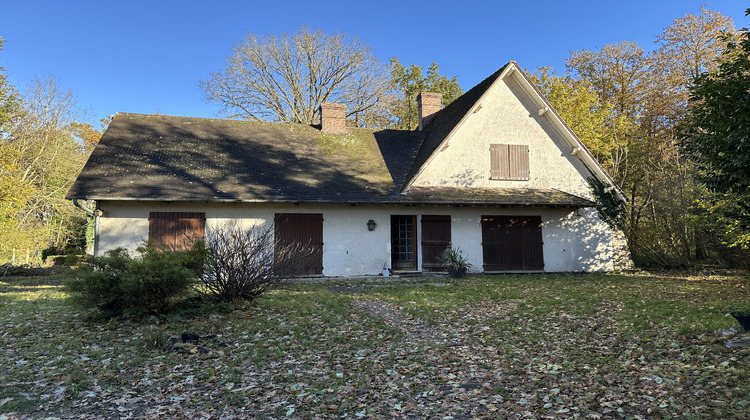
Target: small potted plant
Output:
[(742, 314), (458, 265)]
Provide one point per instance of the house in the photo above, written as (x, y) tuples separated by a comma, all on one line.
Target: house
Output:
[(496, 173)]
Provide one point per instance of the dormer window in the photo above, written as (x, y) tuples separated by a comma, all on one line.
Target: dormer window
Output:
[(509, 162)]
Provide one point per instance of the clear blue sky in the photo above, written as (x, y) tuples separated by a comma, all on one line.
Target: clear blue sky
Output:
[(148, 56)]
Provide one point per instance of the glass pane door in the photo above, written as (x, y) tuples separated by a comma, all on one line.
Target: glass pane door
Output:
[(404, 242)]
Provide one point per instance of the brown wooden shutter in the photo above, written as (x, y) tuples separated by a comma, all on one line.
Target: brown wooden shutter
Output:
[(509, 162), (498, 161), (300, 233), (518, 162), (176, 230), (436, 238)]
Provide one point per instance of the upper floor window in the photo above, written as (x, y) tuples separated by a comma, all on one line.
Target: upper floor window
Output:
[(509, 162)]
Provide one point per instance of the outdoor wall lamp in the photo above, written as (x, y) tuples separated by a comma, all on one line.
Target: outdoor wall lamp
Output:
[(98, 212), (371, 225)]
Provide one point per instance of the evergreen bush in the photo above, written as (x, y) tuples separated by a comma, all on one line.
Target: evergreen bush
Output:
[(118, 284)]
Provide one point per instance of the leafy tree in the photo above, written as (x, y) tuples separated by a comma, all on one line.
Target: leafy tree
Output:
[(617, 72), (14, 191), (287, 77), (650, 92), (690, 45), (408, 82), (716, 134), (592, 119), (9, 101), (87, 135), (42, 150)]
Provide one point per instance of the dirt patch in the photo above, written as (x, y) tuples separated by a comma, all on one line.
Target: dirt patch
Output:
[(359, 288), (397, 318), (422, 330), (347, 289)]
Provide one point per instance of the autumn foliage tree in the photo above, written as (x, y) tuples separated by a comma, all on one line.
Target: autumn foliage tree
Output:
[(14, 190), (591, 118), (43, 146), (644, 96)]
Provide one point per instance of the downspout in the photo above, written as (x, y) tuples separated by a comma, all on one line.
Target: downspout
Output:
[(96, 213), (80, 206)]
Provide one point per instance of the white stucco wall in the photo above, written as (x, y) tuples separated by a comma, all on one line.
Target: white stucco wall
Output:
[(572, 242), (507, 116)]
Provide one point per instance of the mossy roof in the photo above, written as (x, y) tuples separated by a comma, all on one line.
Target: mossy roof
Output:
[(156, 157)]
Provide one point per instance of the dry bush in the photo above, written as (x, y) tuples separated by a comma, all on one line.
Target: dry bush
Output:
[(242, 264)]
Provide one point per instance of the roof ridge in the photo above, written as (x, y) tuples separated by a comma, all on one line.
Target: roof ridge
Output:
[(446, 120)]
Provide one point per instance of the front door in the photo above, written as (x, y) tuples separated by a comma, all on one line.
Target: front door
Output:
[(404, 242), (302, 233), (512, 243)]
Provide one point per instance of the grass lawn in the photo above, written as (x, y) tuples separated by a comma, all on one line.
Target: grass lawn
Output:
[(538, 346)]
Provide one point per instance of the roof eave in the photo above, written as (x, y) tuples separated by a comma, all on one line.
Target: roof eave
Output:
[(594, 167), (486, 204), (389, 201)]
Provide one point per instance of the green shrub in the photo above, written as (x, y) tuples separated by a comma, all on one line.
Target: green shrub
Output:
[(455, 260), (119, 284)]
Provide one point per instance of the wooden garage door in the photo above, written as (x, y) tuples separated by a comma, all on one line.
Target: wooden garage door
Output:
[(512, 243), (175, 230), (303, 232), (436, 238)]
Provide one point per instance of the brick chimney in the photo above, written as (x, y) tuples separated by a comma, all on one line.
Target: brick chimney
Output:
[(428, 104), (332, 118)]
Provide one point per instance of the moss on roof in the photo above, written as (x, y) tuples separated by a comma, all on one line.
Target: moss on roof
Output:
[(179, 158), (156, 157)]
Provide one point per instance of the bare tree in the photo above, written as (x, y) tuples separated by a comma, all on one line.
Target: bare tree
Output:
[(285, 78), (242, 264)]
